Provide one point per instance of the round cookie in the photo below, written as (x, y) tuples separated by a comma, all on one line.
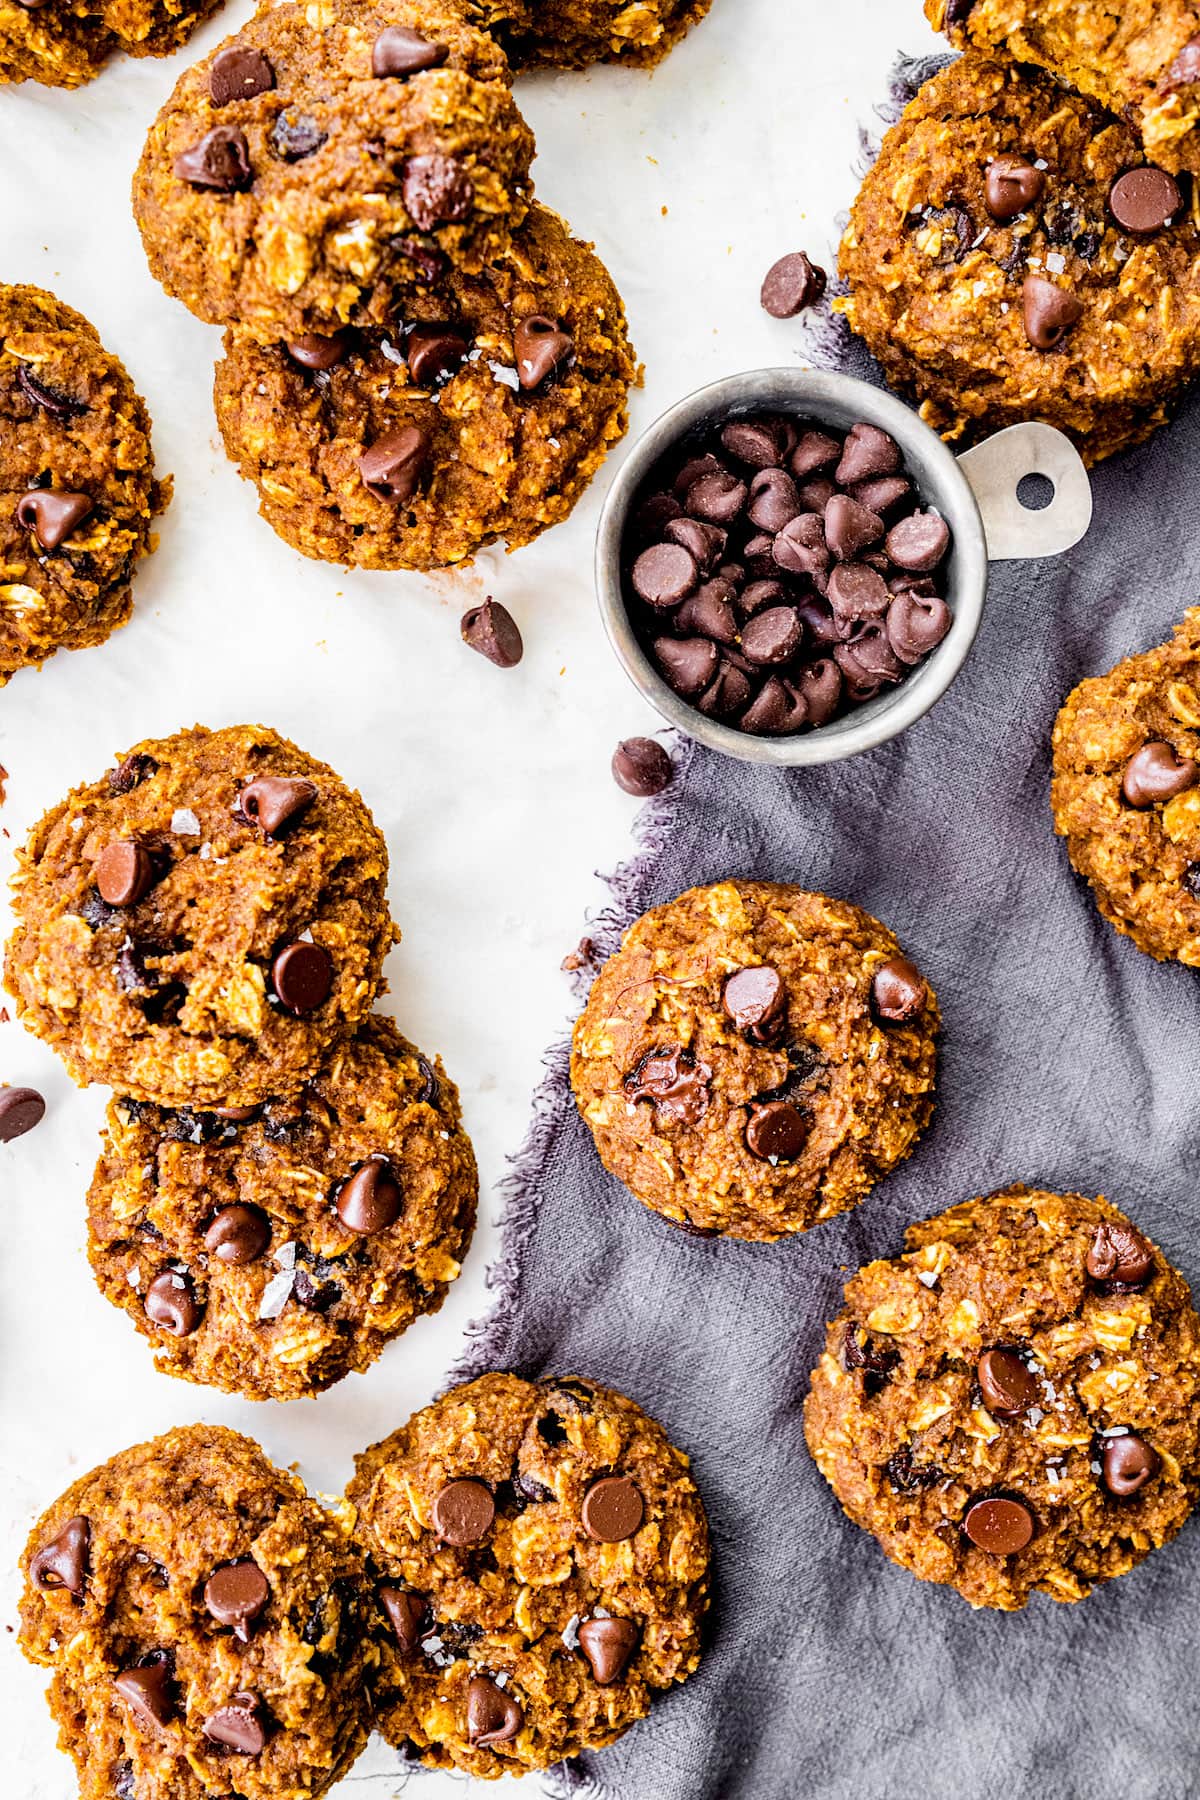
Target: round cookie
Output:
[(990, 274), (483, 416), (273, 1254), (571, 34), (77, 487), (1124, 793), (202, 1618), (287, 188), (63, 43), (755, 1057), (1014, 1404), (541, 1558), (189, 951)]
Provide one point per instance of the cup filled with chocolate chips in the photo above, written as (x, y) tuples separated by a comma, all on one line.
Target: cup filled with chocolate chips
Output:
[(792, 566)]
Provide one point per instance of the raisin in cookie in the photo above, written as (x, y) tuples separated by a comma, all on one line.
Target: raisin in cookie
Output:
[(63, 43), (77, 487), (202, 1618), (541, 1555), (1139, 58), (483, 415), (201, 925), (755, 1057), (327, 160), (570, 34), (1011, 256), (270, 1251), (1125, 794), (1014, 1404)]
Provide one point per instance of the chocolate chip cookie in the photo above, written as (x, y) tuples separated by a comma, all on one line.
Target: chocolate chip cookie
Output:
[(77, 487), (1014, 1403), (63, 43), (1012, 255), (200, 926), (570, 34), (327, 160), (1125, 794), (1139, 58), (271, 1250), (483, 415), (201, 1616), (541, 1559), (755, 1057)]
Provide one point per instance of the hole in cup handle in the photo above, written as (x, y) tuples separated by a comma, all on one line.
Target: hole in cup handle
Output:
[(996, 468)]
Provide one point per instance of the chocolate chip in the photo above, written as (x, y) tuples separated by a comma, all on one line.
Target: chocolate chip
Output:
[(814, 450), (436, 190), (239, 74), (882, 493), (1119, 1256), (1145, 200), (238, 1235), (1155, 773), (819, 686), (791, 284), (131, 773), (1185, 70), (904, 1476), (857, 591), (674, 1081), (21, 1108), (756, 1001), (314, 1296), (59, 405), (148, 1689), (850, 527), (296, 135), (958, 11), (123, 873), (777, 1132), (302, 976), (774, 501), (773, 637), (1190, 879), (463, 1513), (236, 1594), (274, 802), (371, 1199), (867, 452), (238, 1726), (687, 664), (918, 542), (435, 354), (493, 632), (915, 625), (1012, 186), (999, 1525), (757, 596), (52, 515), (728, 692), (664, 575), (694, 468), (1008, 1387), (641, 767), (171, 1303), (800, 548), (542, 350), (493, 1716), (429, 265), (401, 52), (63, 1562), (393, 467), (877, 1361), (759, 442), (704, 543), (777, 709), (313, 352), (718, 497), (1049, 312), (816, 493), (613, 1509), (1128, 1463), (406, 1612), (819, 623), (220, 161), (898, 991), (609, 1645)]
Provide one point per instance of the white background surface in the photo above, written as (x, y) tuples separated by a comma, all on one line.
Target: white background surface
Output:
[(492, 787)]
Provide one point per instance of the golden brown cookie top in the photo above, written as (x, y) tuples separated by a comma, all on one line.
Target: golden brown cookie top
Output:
[(572, 34), (66, 43)]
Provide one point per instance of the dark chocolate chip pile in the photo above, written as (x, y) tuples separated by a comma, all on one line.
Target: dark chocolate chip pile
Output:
[(779, 572)]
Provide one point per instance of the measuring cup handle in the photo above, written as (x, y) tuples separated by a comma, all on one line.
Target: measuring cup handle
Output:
[(994, 469)]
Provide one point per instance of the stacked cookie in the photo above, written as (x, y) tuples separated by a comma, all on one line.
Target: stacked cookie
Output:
[(285, 1183), (419, 359)]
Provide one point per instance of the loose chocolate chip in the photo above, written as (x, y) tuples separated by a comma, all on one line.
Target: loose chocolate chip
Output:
[(52, 515), (791, 284), (435, 354), (857, 591), (437, 190), (774, 501), (759, 442), (756, 1001), (777, 1132), (238, 1726), (915, 624), (371, 1199), (124, 873), (393, 467), (236, 1594), (21, 1108), (718, 497), (687, 664), (1012, 186), (641, 767), (867, 453), (238, 1235), (882, 493), (1145, 200), (777, 710), (148, 1689), (918, 542), (493, 1716), (239, 74), (313, 352), (463, 1513), (1119, 1256), (694, 468), (63, 1562), (772, 637), (850, 527), (999, 1525), (275, 801), (1185, 70), (613, 1509), (542, 349), (1008, 1387), (609, 1645), (819, 686), (58, 405), (664, 575), (171, 1303), (814, 450), (757, 596), (1049, 312), (819, 622), (704, 543), (1128, 1463), (728, 692), (401, 52), (296, 135), (220, 161), (674, 1081), (800, 548), (898, 991), (816, 493), (302, 976), (406, 1614), (1156, 773), (493, 632)]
